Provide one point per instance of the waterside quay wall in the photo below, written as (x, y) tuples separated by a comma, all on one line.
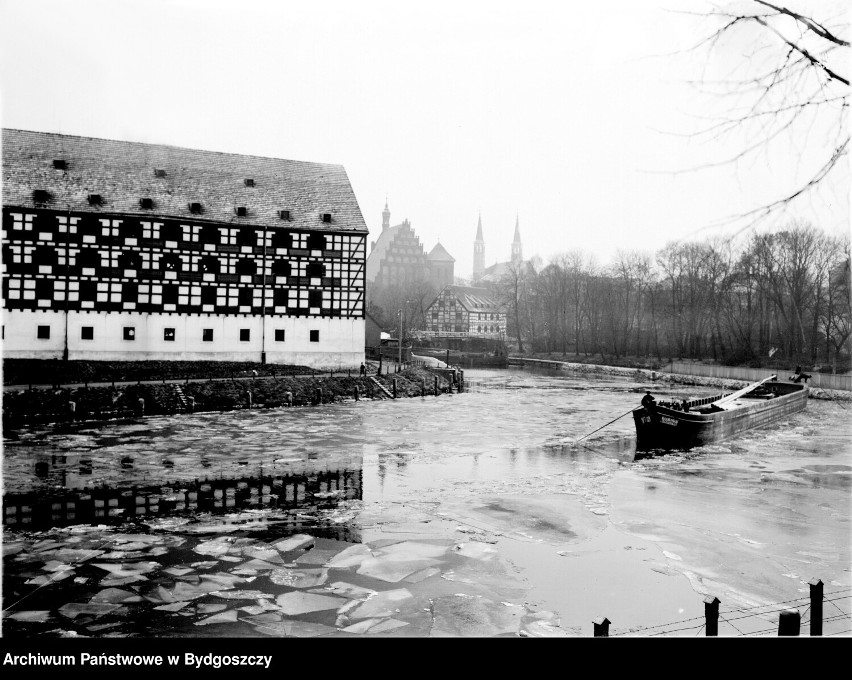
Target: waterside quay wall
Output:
[(701, 374)]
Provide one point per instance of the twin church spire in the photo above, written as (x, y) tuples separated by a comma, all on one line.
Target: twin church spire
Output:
[(479, 248)]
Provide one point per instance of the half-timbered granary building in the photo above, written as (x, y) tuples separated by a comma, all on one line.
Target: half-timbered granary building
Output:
[(119, 250), (465, 312)]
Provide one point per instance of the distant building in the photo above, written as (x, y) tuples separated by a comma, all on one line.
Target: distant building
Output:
[(465, 312), (397, 262), (118, 250), (497, 271)]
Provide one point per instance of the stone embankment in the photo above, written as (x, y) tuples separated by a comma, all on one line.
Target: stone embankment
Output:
[(101, 402), (648, 376)]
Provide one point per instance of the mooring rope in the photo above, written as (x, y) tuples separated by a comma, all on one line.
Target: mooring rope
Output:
[(603, 426)]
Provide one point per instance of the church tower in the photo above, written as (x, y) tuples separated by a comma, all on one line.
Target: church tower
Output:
[(478, 252), (385, 216), (517, 252)]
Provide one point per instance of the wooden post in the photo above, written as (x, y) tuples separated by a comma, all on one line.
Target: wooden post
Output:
[(601, 627), (356, 394), (248, 398), (816, 606), (461, 380), (448, 358), (436, 385), (422, 387), (191, 402), (789, 622), (711, 615), (394, 388), (318, 396)]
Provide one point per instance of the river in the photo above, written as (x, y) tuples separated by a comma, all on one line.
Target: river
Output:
[(497, 511)]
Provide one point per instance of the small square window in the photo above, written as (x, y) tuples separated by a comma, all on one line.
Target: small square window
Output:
[(146, 203), (314, 336), (249, 182), (245, 334), (207, 335), (326, 217), (169, 334), (43, 333), (159, 173), (87, 333), (279, 335), (241, 211), (60, 164), (130, 332), (196, 208)]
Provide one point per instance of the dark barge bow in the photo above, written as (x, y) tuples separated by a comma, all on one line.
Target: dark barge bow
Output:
[(710, 419)]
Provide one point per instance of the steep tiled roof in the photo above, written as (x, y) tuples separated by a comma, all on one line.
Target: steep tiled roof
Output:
[(440, 254), (474, 299), (123, 172)]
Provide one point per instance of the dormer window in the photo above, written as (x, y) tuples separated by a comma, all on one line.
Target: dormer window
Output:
[(241, 211), (249, 182), (41, 196), (195, 208), (59, 164), (159, 173), (146, 203), (284, 214), (326, 217), (95, 199)]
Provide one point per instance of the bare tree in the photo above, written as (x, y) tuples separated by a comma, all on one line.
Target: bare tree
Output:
[(788, 87)]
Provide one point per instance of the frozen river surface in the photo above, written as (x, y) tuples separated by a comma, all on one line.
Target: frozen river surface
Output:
[(475, 514)]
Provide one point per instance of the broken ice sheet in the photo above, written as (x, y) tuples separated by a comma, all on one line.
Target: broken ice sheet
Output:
[(172, 606), (241, 594), (177, 571), (350, 557), (74, 609), (387, 625), (116, 596), (129, 569), (477, 551), (470, 616), (216, 546), (316, 556), (350, 591), (210, 608), (309, 629), (299, 578), (293, 543), (44, 579), (32, 616), (382, 604), (224, 617), (393, 568), (303, 603), (264, 553)]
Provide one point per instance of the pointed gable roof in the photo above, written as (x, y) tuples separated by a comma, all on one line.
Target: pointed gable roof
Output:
[(440, 254)]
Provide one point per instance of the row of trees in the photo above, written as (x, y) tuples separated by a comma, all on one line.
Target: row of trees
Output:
[(784, 296)]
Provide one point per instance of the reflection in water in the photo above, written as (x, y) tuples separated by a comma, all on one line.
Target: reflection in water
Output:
[(114, 505)]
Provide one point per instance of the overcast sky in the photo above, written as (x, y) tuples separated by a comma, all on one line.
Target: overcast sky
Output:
[(563, 114)]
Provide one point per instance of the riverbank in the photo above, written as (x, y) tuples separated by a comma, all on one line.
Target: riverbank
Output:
[(251, 390), (649, 377)]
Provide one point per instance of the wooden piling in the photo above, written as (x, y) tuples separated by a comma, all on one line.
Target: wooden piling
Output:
[(789, 622), (711, 615), (394, 388), (601, 627), (816, 587), (436, 385), (356, 393), (318, 396), (248, 398)]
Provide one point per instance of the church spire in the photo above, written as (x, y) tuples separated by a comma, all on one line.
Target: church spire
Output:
[(517, 251), (478, 251), (385, 215)]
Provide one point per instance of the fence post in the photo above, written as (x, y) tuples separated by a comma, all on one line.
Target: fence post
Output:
[(601, 627), (789, 622), (394, 388), (711, 615), (816, 606)]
